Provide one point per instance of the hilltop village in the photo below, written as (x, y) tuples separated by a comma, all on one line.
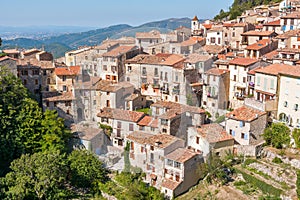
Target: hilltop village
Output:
[(172, 99)]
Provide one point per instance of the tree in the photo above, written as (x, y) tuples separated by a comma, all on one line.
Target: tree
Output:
[(86, 169), (277, 135), (298, 184), (38, 176), (54, 133), (296, 136)]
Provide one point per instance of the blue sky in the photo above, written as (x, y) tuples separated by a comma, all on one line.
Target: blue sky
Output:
[(99, 13)]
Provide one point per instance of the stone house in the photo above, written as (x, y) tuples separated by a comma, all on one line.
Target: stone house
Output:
[(289, 39), (91, 137), (251, 37), (238, 79), (288, 103), (267, 87), (191, 45), (232, 34), (10, 63), (290, 21), (181, 172), (174, 118), (145, 39), (65, 78), (215, 97), (135, 101), (210, 138), (246, 125), (71, 56), (214, 36), (123, 122), (272, 26), (260, 48), (113, 62), (13, 53), (147, 151)]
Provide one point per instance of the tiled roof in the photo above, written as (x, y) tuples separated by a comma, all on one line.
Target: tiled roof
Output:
[(85, 132), (243, 61), (119, 51), (181, 155), (207, 26), (217, 71), (126, 115), (191, 41), (170, 184), (214, 49), (214, 133), (35, 62), (146, 35), (6, 58), (67, 71), (273, 23), (259, 45), (88, 83), (222, 62), (295, 71), (108, 86), (275, 69), (195, 18), (106, 45), (194, 58), (288, 34), (294, 15), (289, 50), (258, 33), (148, 121), (158, 59), (245, 114), (31, 51), (160, 140), (11, 51), (271, 55), (252, 71), (65, 96)]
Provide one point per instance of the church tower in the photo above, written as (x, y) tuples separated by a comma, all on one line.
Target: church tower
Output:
[(195, 25)]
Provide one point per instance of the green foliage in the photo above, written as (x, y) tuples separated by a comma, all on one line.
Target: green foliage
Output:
[(86, 169), (208, 114), (239, 183), (248, 161), (127, 165), (278, 135), (106, 128), (277, 160), (127, 186), (264, 187), (220, 119), (40, 175), (298, 184), (147, 111), (296, 136)]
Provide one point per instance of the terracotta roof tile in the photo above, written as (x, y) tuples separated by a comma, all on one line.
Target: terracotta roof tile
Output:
[(145, 35), (11, 51), (119, 51), (275, 69), (67, 71), (109, 86), (194, 58), (271, 55), (217, 71), (126, 115), (195, 18), (170, 184), (148, 121), (35, 62), (214, 133), (245, 114), (288, 34), (214, 49), (191, 41), (259, 45), (7, 58), (181, 155), (243, 61), (65, 96), (295, 71), (273, 23), (294, 15), (259, 33), (160, 140)]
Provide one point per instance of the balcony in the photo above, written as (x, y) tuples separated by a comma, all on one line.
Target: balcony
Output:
[(269, 105), (240, 96), (176, 91)]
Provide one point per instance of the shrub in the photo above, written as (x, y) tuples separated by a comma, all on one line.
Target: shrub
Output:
[(239, 183), (277, 160)]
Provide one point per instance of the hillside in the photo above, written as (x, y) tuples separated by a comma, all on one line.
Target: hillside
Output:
[(59, 44), (239, 6)]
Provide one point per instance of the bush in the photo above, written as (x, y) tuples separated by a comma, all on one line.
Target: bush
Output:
[(249, 161), (296, 136), (107, 129), (277, 160), (239, 183), (277, 135)]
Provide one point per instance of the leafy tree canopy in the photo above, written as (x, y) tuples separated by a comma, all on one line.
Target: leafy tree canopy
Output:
[(277, 135)]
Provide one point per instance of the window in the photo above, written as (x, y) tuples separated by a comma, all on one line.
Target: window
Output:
[(144, 72), (67, 103), (150, 41), (104, 67), (234, 77), (197, 140), (232, 132), (233, 34), (164, 130), (152, 129), (119, 124), (272, 84), (166, 76), (113, 68), (128, 79), (64, 88), (219, 40), (285, 104), (152, 148), (47, 103), (169, 162), (107, 93), (258, 81), (36, 81), (130, 127), (213, 40), (129, 68), (131, 145), (155, 72), (64, 78), (242, 124), (244, 136), (104, 119), (296, 107), (177, 164), (214, 77), (244, 79), (55, 104), (142, 149)]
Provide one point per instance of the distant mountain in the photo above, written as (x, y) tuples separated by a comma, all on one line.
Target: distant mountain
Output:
[(59, 44)]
